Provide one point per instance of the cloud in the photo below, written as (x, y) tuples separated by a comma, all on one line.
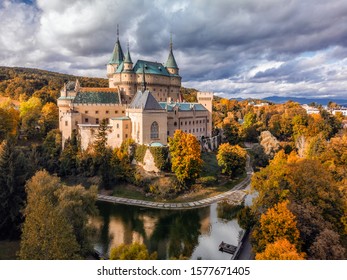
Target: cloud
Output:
[(236, 48)]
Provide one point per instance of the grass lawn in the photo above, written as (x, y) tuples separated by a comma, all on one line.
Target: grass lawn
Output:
[(8, 249)]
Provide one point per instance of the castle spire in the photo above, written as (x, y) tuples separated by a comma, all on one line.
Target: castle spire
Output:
[(171, 61), (127, 58), (117, 54)]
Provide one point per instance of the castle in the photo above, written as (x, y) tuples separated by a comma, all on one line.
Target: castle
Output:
[(142, 102)]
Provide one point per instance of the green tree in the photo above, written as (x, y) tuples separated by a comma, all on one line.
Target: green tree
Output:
[(56, 219), (232, 159), (13, 173), (133, 251), (103, 155), (185, 157)]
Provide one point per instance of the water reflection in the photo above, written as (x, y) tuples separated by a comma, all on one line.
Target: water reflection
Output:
[(192, 233)]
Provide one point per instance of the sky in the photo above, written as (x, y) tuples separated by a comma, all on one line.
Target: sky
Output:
[(234, 48)]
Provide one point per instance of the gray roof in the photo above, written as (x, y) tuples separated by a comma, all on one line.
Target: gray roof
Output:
[(97, 95), (145, 101), (182, 106)]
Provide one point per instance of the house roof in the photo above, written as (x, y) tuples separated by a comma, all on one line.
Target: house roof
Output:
[(117, 54), (145, 100)]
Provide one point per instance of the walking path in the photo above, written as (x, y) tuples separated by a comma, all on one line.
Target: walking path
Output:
[(236, 195)]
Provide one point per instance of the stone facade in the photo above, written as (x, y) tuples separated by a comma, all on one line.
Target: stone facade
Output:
[(142, 102)]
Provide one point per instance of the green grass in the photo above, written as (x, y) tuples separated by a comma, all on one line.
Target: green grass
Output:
[(8, 249), (210, 167)]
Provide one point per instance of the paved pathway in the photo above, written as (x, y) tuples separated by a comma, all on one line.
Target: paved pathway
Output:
[(236, 195)]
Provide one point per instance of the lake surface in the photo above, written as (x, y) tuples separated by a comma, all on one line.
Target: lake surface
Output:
[(195, 234)]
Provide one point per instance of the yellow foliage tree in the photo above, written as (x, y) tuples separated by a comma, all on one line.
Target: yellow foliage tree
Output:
[(281, 249), (135, 251)]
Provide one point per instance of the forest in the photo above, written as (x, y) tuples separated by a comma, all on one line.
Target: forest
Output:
[(297, 214)]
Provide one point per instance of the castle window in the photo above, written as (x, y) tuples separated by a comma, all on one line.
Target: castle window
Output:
[(154, 130), (126, 126), (117, 125), (168, 133), (126, 135), (65, 123), (117, 135), (123, 112), (175, 123), (86, 120), (193, 122), (181, 123), (116, 112), (97, 121), (190, 130), (86, 112), (96, 112), (189, 123), (106, 112), (193, 130), (185, 123)]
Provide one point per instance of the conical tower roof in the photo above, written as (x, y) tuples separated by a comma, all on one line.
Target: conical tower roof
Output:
[(171, 61), (117, 55), (127, 58)]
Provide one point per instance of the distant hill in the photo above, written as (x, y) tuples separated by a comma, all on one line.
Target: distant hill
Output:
[(321, 101), (22, 83)]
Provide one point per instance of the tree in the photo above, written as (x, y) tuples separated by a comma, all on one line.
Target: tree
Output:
[(133, 251), (231, 132), (277, 223), (49, 118), (13, 173), (269, 143), (232, 159), (327, 246), (9, 120), (30, 112), (103, 154), (281, 249), (185, 157), (56, 219)]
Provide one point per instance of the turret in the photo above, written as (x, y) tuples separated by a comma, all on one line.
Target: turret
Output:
[(171, 64), (117, 57), (128, 64)]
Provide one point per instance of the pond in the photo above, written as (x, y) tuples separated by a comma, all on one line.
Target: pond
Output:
[(194, 234)]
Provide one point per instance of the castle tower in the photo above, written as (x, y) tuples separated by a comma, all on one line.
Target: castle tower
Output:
[(205, 99), (117, 57), (171, 64)]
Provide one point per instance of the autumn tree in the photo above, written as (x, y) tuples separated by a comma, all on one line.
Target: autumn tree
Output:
[(185, 157), (9, 120), (277, 223), (281, 249), (30, 113), (56, 219), (232, 159), (269, 143), (49, 118), (135, 251)]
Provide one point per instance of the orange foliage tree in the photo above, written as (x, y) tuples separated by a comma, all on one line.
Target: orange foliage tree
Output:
[(186, 160), (281, 249)]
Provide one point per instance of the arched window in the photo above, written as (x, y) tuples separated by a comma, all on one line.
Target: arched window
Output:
[(154, 130)]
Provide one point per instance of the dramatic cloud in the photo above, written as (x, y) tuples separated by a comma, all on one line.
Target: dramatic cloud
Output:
[(235, 48)]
